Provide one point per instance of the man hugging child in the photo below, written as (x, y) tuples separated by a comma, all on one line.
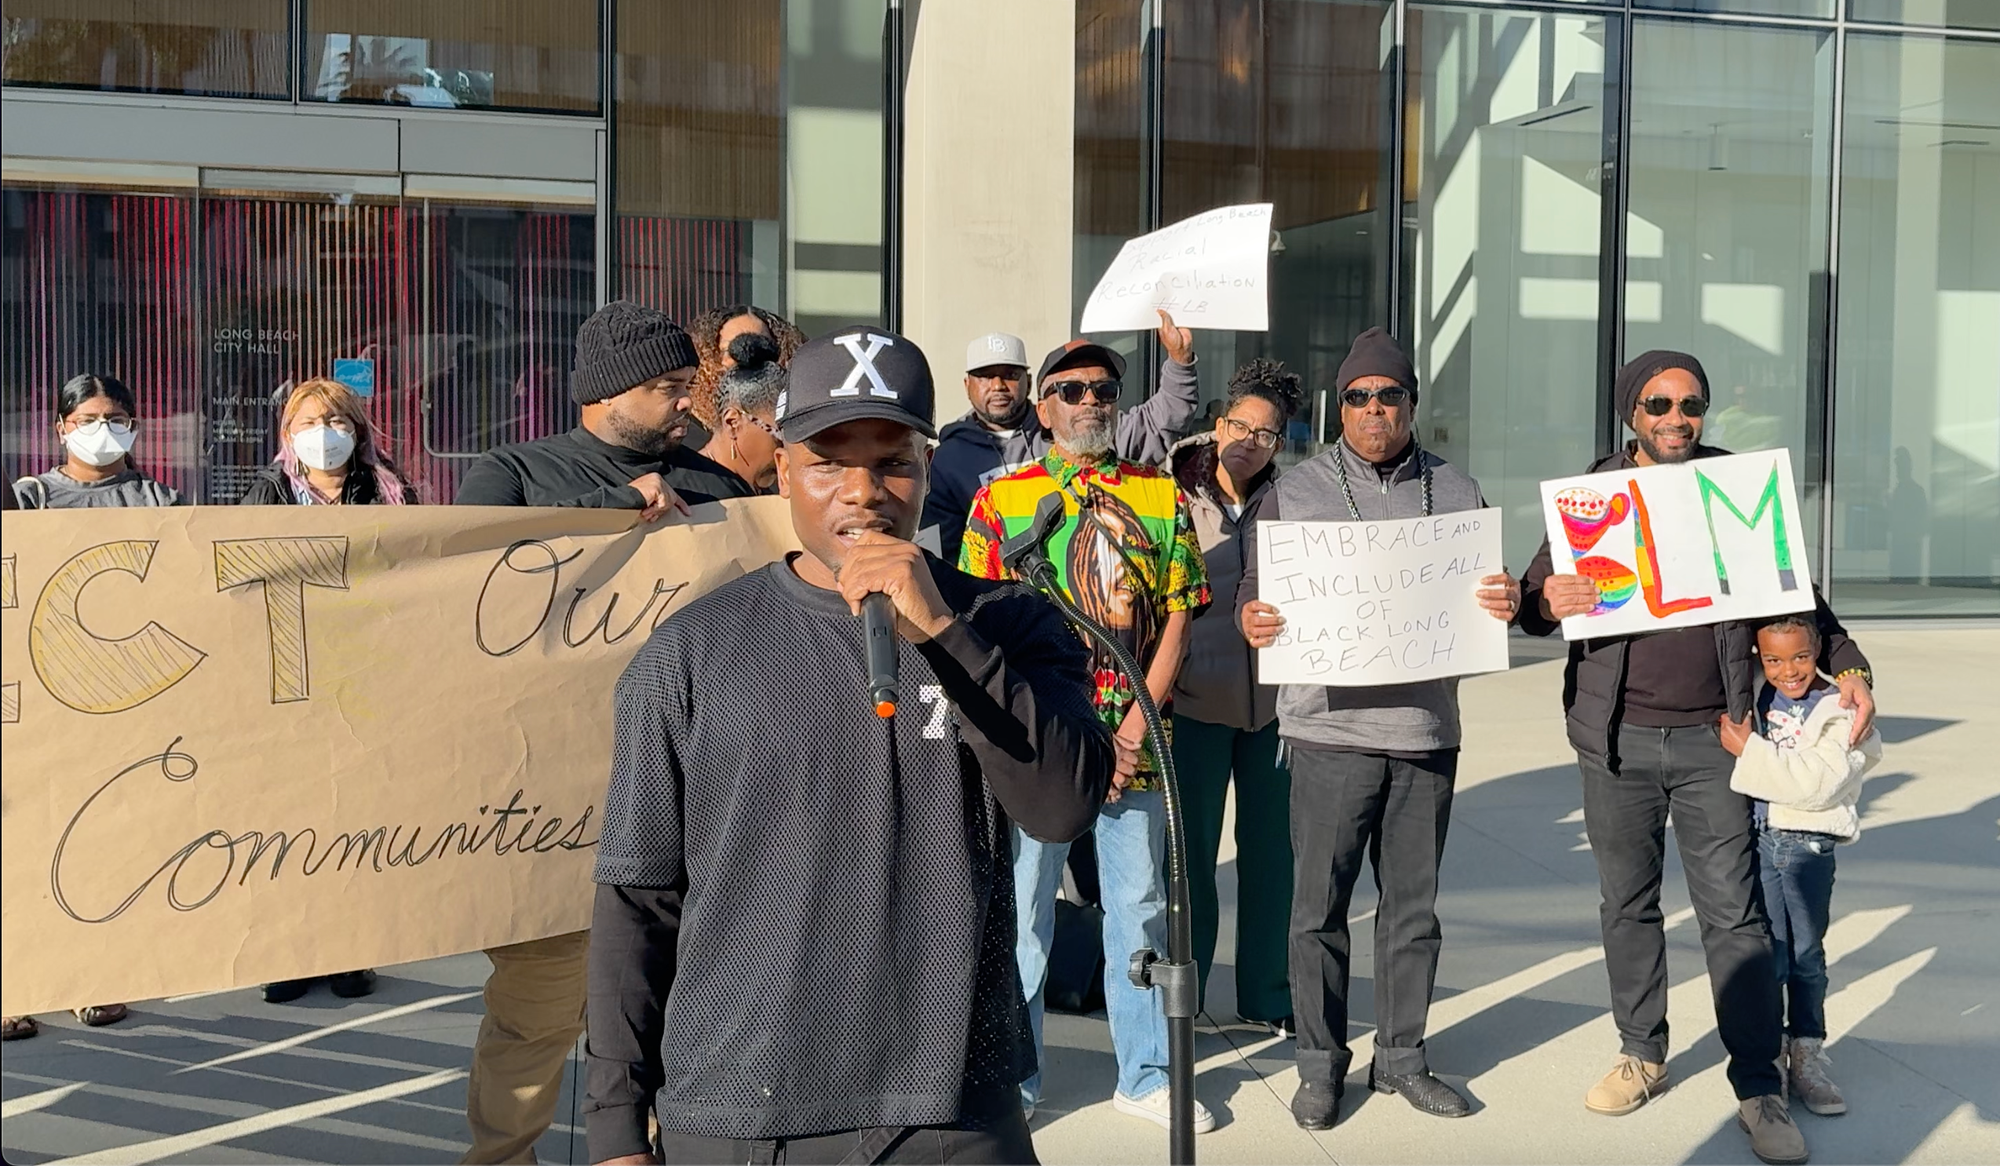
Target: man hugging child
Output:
[(1804, 771)]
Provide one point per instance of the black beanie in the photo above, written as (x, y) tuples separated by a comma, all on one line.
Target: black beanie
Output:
[(625, 344), (1632, 378), (1376, 354)]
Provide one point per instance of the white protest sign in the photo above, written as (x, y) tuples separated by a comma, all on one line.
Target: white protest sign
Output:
[(1209, 271), (1368, 603), (1695, 543)]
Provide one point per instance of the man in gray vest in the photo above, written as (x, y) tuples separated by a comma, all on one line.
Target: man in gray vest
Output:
[(1372, 768)]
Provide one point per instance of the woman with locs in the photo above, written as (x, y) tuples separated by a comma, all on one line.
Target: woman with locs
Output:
[(1225, 723), (329, 455), (97, 421)]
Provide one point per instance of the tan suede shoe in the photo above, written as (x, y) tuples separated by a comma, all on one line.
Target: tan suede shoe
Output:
[(1630, 1084), (1774, 1137)]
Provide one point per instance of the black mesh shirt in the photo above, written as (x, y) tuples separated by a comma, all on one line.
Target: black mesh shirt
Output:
[(804, 918)]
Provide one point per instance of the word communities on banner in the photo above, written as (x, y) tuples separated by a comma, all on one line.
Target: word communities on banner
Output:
[(1699, 542), (1369, 603), (1209, 271)]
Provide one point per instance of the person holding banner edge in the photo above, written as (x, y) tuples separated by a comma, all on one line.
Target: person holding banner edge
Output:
[(1372, 768), (800, 961), (1644, 713)]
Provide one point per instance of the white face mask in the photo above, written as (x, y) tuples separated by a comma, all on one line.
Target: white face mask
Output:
[(97, 443), (323, 447)]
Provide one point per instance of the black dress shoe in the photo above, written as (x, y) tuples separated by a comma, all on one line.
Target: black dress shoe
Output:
[(1422, 1090), (352, 984), (1316, 1106), (285, 991)]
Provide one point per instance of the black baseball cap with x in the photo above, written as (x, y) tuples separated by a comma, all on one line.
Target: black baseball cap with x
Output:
[(857, 373)]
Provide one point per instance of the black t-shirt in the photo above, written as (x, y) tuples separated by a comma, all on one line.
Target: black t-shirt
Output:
[(580, 469), (805, 918), (1673, 679)]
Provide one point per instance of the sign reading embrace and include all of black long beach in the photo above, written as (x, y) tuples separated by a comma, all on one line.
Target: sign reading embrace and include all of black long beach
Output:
[(249, 744)]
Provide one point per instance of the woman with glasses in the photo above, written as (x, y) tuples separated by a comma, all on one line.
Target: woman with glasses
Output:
[(328, 455), (1225, 723), (97, 421), (745, 440)]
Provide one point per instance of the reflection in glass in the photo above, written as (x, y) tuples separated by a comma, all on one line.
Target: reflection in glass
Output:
[(1109, 152), (1726, 239), (1937, 13), (1820, 8), (1505, 118), (1282, 101), (1917, 407), (104, 44), (468, 54)]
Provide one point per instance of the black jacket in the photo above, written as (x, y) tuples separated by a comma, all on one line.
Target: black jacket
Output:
[(272, 488), (580, 469), (1594, 682)]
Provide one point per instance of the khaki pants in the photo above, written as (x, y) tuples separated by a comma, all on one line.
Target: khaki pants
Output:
[(534, 1013)]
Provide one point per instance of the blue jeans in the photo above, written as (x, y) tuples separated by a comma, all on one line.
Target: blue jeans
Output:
[(1131, 836), (1796, 869)]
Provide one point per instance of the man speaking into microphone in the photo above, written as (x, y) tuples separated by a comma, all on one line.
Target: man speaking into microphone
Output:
[(803, 942)]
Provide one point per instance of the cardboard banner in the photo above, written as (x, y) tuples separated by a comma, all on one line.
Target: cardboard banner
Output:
[(1675, 546), (250, 744), (1210, 271), (1370, 603)]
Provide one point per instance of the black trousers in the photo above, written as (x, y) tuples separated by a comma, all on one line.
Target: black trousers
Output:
[(1003, 1142), (1396, 812), (1683, 772)]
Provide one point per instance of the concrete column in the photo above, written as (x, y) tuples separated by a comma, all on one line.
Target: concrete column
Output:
[(987, 179)]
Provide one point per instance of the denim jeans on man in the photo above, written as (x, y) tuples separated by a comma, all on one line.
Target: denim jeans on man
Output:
[(1131, 841), (1796, 868), (1685, 772)]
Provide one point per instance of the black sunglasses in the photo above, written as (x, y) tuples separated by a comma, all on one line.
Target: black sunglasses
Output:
[(1072, 392), (1390, 397), (1661, 406)]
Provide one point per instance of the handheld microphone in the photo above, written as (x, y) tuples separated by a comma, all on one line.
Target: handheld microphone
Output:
[(1016, 552), (878, 627)]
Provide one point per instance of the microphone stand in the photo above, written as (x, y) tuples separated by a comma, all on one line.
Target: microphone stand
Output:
[(1174, 976)]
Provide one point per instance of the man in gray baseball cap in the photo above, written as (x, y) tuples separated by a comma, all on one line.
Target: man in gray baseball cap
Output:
[(1001, 432)]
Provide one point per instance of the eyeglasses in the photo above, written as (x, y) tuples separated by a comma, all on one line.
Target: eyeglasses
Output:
[(1072, 392), (1261, 438), (119, 425), (1661, 406), (1390, 397)]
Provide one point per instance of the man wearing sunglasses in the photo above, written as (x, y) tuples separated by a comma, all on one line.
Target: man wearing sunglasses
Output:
[(1643, 713), (1004, 431), (1372, 768)]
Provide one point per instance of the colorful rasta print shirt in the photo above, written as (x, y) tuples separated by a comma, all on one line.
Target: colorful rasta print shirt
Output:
[(1130, 561)]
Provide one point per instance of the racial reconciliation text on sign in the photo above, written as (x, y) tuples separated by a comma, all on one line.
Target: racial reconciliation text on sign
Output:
[(247, 744), (1211, 270), (1368, 603), (1699, 542)]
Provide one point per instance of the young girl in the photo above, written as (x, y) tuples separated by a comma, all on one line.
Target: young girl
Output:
[(97, 419), (1807, 781)]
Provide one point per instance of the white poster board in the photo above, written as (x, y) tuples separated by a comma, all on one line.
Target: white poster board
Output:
[(1368, 603), (1209, 271), (1676, 546)]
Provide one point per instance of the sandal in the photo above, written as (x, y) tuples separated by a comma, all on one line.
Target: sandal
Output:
[(99, 1015), (18, 1028)]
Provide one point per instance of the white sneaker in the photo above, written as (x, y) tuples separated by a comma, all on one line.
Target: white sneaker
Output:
[(1156, 1106)]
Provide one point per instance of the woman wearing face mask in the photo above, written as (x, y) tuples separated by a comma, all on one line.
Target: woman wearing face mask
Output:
[(1225, 723), (328, 455), (97, 418), (746, 408)]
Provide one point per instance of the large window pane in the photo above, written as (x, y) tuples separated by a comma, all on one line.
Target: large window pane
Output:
[(750, 157), (1940, 13), (235, 48), (1726, 240), (1287, 102), (1502, 213), (467, 54), (1917, 413), (1109, 150), (1822, 8)]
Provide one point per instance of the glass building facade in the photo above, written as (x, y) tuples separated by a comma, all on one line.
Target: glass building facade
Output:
[(1798, 191)]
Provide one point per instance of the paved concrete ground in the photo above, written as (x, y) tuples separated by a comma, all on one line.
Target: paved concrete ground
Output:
[(1520, 1018)]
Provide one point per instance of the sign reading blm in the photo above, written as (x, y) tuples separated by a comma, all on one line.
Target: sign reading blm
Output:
[(1700, 542), (1368, 603)]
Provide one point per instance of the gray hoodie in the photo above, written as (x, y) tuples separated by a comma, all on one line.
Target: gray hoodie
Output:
[(1389, 718), (56, 490)]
